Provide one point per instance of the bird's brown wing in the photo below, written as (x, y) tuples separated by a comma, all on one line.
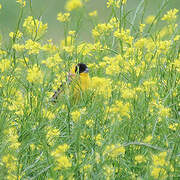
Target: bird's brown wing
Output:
[(57, 93)]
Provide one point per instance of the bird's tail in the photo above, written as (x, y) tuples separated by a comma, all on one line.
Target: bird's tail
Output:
[(56, 94)]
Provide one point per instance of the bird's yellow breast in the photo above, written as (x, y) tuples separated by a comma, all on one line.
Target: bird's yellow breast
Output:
[(80, 85), (84, 81)]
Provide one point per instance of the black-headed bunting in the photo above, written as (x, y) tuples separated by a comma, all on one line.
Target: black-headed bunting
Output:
[(78, 80)]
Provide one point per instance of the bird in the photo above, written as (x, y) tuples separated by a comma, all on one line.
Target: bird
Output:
[(78, 81)]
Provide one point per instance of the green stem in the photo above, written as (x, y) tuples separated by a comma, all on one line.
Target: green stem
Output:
[(15, 35)]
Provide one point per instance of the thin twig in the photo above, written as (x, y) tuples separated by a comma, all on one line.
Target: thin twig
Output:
[(31, 166), (135, 14), (144, 144), (44, 170), (154, 128)]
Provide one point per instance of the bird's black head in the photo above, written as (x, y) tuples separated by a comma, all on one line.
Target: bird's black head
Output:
[(80, 68)]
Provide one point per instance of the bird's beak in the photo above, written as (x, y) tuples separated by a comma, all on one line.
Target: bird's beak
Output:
[(86, 70)]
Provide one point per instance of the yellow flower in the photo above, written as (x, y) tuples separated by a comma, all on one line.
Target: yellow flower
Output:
[(34, 27), (72, 33), (68, 49), (32, 47), (61, 177), (121, 109), (90, 123), (10, 162), (52, 134), (67, 42), (108, 171), (98, 138), (155, 172), (85, 49), (21, 2), (0, 6), (18, 35), (53, 61), (176, 64), (93, 13), (124, 35), (35, 75), (49, 47), (163, 46), (102, 29), (128, 93), (32, 146), (115, 3), (105, 27), (4, 64), (149, 84), (2, 52), (163, 111), (173, 126), (87, 167), (124, 1), (148, 139), (12, 138), (113, 69), (171, 15), (18, 47), (17, 103), (97, 157), (63, 17), (73, 4), (77, 114), (150, 19), (110, 3), (177, 37), (101, 86), (14, 141), (140, 43), (159, 173), (48, 114), (139, 159), (114, 150), (60, 150), (95, 33), (141, 27), (62, 163), (160, 159)]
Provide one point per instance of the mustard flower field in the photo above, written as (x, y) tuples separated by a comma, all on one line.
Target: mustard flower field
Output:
[(126, 125)]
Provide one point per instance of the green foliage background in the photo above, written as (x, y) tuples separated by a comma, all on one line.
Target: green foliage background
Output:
[(125, 127), (49, 10)]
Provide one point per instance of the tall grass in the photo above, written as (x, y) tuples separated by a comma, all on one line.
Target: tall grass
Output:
[(126, 126)]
